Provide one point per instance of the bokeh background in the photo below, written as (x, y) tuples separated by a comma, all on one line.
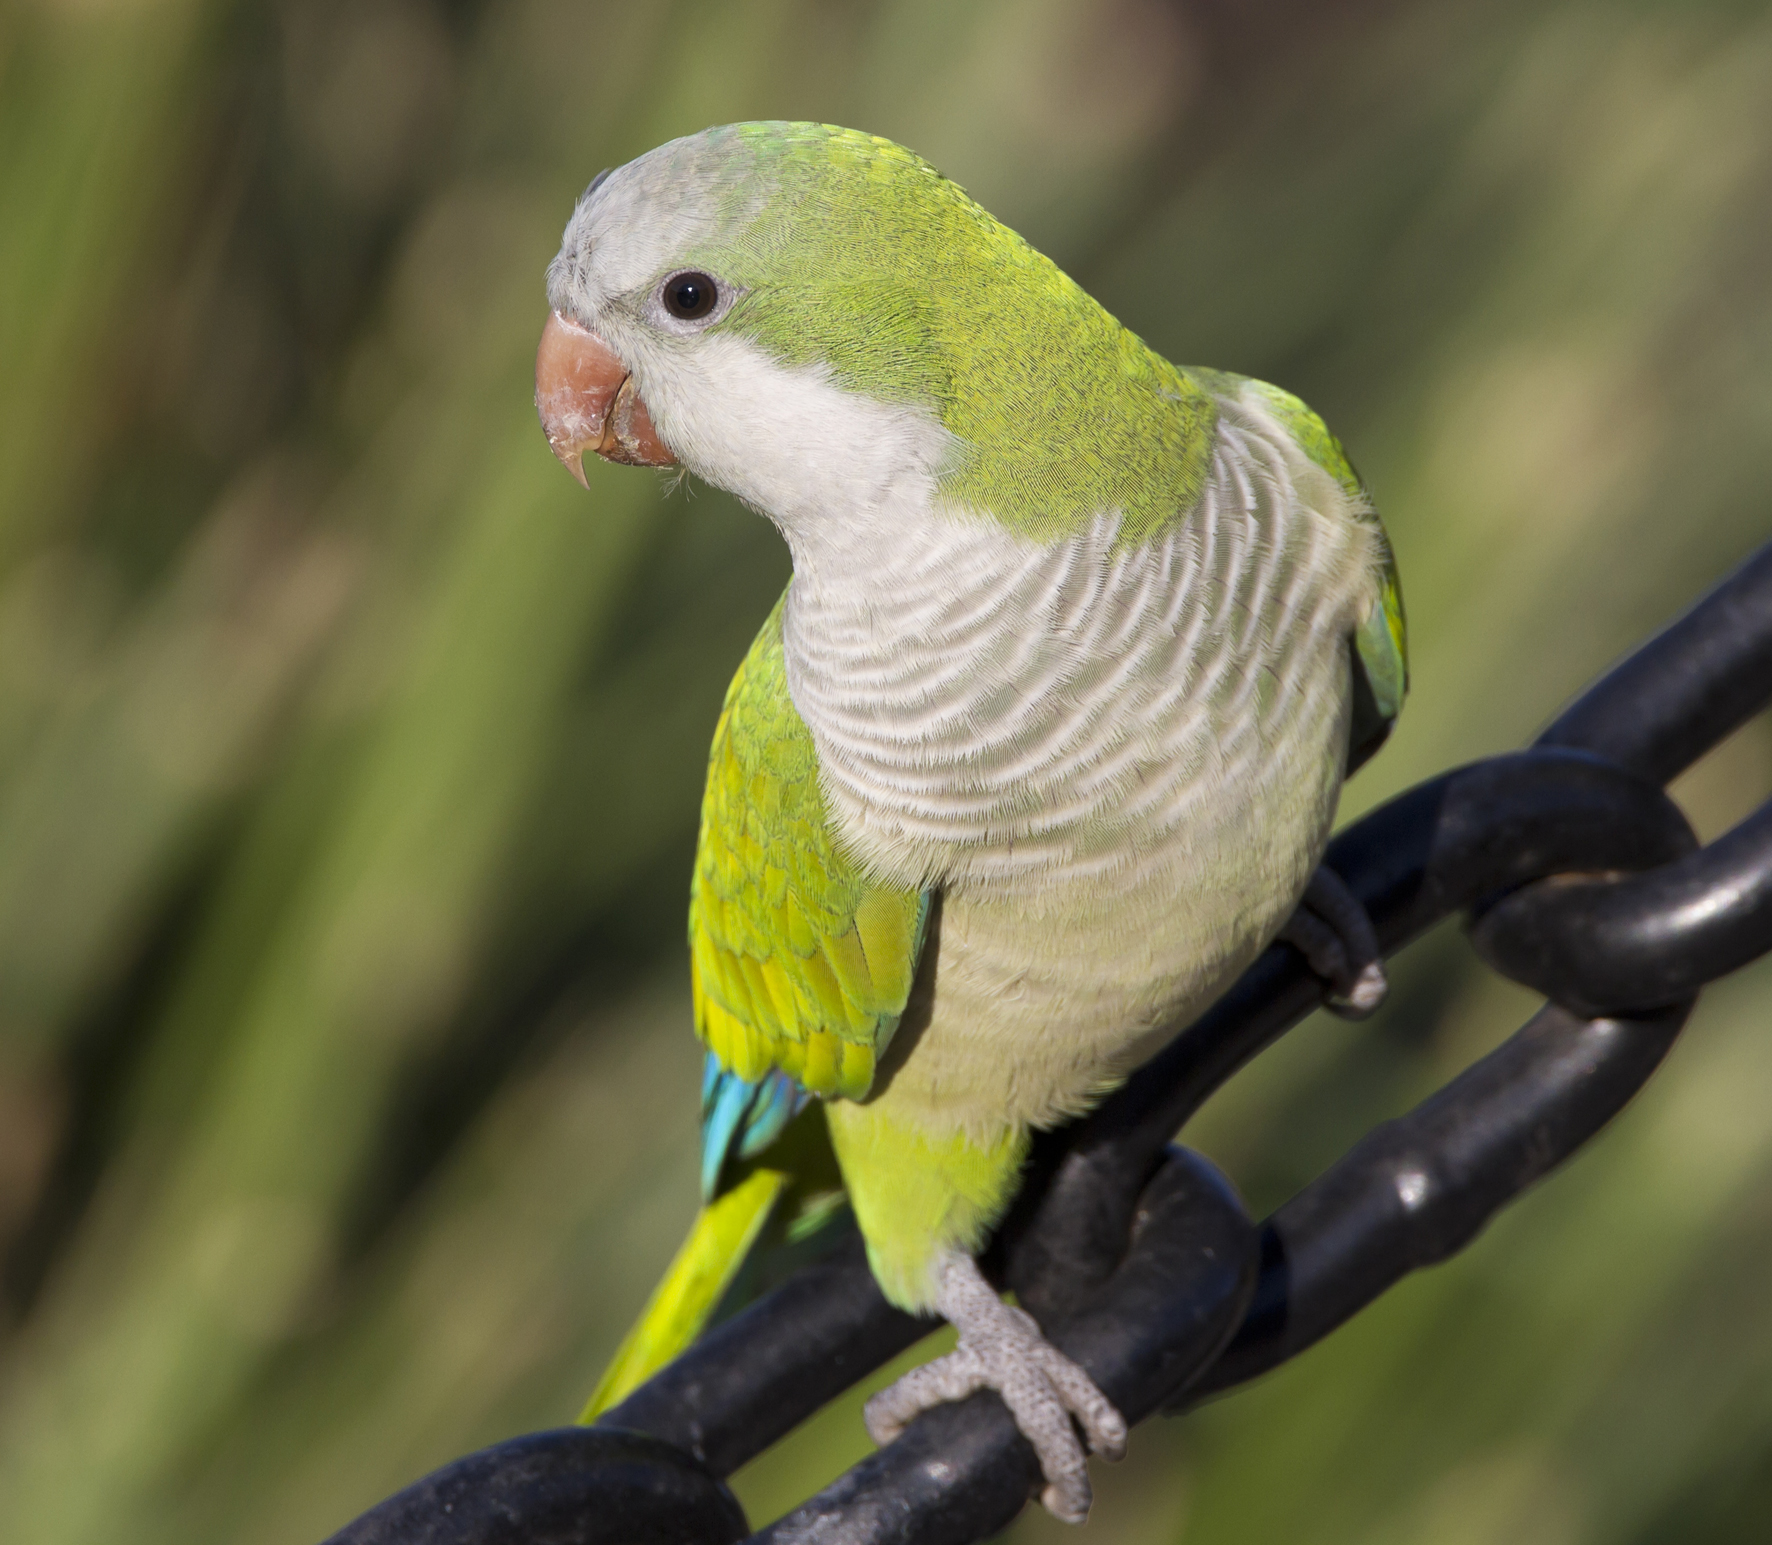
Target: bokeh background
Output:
[(350, 754)]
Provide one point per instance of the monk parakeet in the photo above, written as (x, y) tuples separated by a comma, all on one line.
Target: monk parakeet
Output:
[(1037, 751)]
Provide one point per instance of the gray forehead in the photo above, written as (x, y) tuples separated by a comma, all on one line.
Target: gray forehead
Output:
[(651, 215)]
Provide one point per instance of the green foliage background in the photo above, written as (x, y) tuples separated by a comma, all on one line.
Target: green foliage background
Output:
[(350, 754)]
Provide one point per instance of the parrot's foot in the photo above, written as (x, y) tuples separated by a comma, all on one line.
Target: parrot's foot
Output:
[(1002, 1349), (1332, 931)]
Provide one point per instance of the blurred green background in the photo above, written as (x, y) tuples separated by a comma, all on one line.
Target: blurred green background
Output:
[(350, 754)]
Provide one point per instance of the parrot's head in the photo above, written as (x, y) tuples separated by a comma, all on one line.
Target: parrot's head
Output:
[(820, 322), (755, 302)]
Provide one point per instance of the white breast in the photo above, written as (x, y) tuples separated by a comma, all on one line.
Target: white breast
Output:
[(1119, 765), (988, 707)]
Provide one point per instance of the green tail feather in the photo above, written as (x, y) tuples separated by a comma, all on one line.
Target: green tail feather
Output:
[(698, 1278)]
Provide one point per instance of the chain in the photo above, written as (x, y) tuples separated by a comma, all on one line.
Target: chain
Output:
[(1577, 876)]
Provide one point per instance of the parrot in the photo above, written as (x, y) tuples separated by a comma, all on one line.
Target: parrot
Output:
[(1039, 748)]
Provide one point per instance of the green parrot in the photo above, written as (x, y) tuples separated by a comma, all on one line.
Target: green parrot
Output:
[(1038, 750)]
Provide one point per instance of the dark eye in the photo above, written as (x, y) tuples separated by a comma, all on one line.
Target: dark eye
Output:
[(689, 296)]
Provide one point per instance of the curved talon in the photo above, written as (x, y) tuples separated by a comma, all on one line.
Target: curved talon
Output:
[(1048, 1395), (1369, 990)]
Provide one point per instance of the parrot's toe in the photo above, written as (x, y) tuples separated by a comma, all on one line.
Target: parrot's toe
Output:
[(1049, 1396), (1334, 934)]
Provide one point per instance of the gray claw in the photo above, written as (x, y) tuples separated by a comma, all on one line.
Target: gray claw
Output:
[(1048, 1395)]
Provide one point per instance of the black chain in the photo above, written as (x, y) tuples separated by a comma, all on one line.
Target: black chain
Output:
[(1579, 877)]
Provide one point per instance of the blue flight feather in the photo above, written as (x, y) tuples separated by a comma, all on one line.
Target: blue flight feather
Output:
[(740, 1117)]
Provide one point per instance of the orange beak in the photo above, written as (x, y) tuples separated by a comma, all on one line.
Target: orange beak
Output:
[(587, 401)]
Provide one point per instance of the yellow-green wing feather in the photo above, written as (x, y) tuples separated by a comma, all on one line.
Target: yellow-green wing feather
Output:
[(800, 965), (799, 961)]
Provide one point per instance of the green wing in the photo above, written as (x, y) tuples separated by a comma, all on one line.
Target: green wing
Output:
[(1381, 643), (801, 968), (800, 962)]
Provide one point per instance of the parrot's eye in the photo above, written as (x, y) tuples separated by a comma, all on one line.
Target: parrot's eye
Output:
[(690, 296)]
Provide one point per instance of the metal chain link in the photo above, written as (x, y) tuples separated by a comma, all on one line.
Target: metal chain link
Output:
[(1578, 876)]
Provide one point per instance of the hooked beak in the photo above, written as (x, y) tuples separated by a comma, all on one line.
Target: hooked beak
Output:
[(587, 401)]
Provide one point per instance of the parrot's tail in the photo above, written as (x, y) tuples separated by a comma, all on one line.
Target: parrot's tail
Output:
[(717, 1246)]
